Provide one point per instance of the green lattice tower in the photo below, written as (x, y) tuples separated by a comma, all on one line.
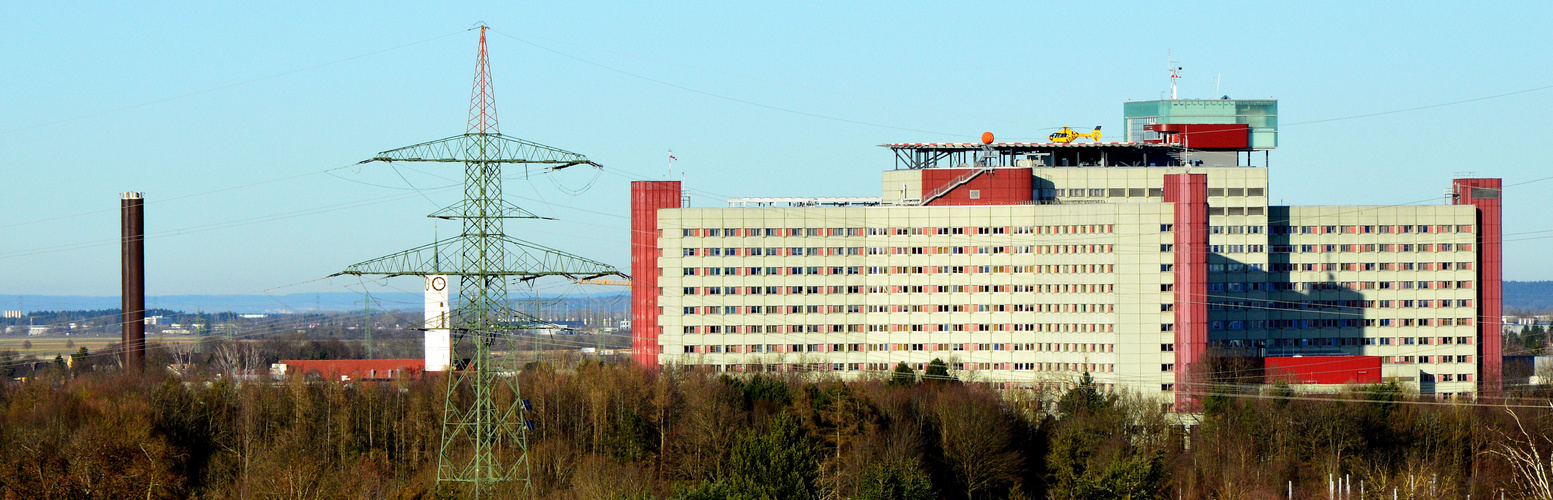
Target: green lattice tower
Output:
[(484, 429)]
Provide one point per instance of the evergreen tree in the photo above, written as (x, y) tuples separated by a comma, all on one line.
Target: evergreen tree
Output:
[(903, 376), (778, 463), (887, 480), (81, 360), (937, 372), (1083, 399), (1533, 338)]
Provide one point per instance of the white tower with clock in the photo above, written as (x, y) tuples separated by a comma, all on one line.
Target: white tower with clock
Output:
[(439, 338)]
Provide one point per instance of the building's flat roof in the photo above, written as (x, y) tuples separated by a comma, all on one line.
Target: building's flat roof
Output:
[(804, 201), (995, 145), (1269, 99)]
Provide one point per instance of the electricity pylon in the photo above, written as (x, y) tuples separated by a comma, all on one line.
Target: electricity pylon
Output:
[(484, 432)]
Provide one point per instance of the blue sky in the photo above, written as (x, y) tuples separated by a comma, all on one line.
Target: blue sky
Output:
[(228, 116)]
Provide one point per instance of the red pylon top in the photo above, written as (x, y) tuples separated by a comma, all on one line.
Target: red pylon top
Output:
[(482, 100)]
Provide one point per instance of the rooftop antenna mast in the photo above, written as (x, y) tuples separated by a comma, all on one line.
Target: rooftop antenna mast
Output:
[(484, 433), (1175, 74)]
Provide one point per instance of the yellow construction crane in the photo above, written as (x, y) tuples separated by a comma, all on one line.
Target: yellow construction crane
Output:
[(1067, 135), (603, 281)]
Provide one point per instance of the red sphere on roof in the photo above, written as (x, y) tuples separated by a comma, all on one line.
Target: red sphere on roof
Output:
[(986, 137)]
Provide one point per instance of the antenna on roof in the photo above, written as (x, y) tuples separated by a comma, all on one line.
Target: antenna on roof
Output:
[(1175, 74)]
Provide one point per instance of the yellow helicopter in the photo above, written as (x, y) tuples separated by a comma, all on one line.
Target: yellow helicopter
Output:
[(1067, 135)]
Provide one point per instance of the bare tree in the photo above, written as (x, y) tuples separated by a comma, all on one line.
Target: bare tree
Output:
[(1525, 456), (976, 438), (234, 358)]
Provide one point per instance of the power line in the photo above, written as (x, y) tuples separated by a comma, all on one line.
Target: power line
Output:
[(1417, 108), (229, 85), (724, 97)]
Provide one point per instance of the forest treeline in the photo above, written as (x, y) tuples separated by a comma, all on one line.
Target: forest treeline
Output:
[(611, 430)]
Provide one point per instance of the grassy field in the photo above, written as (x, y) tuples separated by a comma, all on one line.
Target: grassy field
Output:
[(48, 347)]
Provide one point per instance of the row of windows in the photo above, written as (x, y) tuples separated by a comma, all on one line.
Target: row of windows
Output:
[(1347, 266), (1343, 341), (942, 308), (770, 251), (1062, 367), (1283, 324), (1017, 249), (1042, 288), (893, 289), (1064, 229), (1141, 192), (1065, 249), (892, 231), (1036, 269), (944, 327), (870, 270), (1101, 193), (945, 250), (1237, 248), (1426, 322), (774, 271), (1332, 285), (1391, 229), (1069, 308), (964, 347), (1236, 211), (1231, 229), (1372, 247), (890, 366), (1337, 304), (1223, 268)]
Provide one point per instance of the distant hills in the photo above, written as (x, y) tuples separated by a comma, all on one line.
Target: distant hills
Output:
[(257, 304), (1528, 296)]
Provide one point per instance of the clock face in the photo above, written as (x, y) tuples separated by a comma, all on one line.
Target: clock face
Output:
[(439, 284)]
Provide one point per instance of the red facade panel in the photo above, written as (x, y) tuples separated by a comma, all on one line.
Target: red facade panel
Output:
[(1189, 194), (1485, 195), (999, 186), (646, 198), (1324, 369), (1205, 135)]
